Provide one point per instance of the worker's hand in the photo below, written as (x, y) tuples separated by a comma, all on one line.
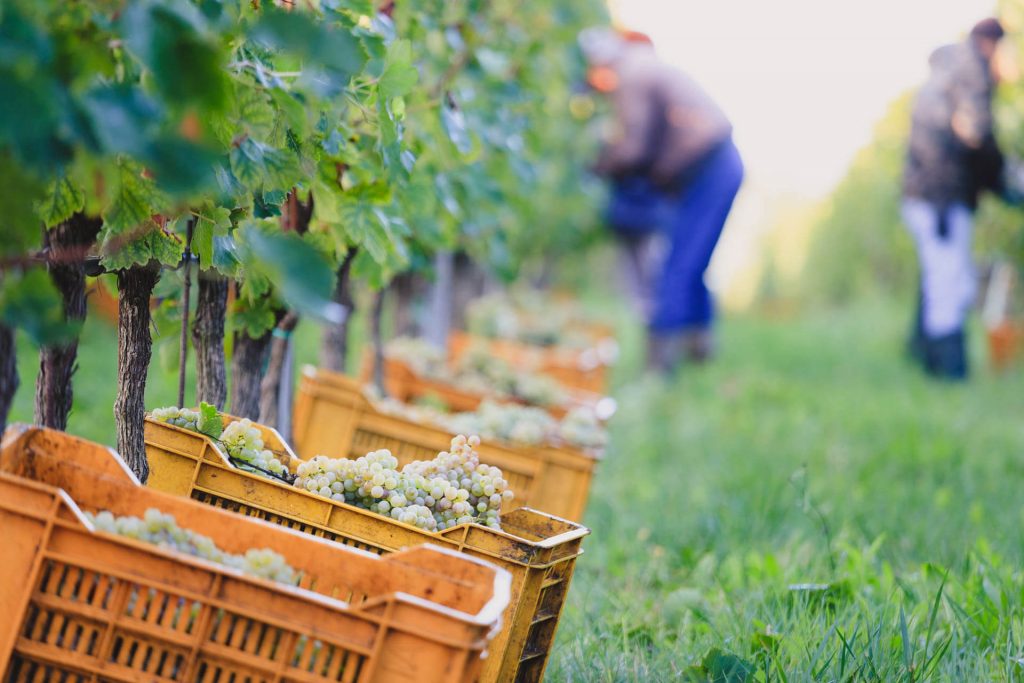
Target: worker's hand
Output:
[(964, 128), (1013, 183), (668, 182)]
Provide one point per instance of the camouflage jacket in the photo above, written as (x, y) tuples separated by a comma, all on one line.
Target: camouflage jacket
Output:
[(664, 123), (947, 164)]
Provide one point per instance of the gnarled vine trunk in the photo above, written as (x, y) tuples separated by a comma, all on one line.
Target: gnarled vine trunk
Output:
[(270, 387), (295, 217), (439, 321), (134, 349), (248, 359), (407, 289), (208, 339), (376, 318), (8, 374), (334, 345), (66, 244), (470, 282)]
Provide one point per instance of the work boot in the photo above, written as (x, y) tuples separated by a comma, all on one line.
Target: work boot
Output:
[(665, 351), (917, 343), (700, 345), (946, 356)]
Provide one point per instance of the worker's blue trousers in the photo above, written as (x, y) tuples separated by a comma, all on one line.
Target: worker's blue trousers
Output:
[(694, 223)]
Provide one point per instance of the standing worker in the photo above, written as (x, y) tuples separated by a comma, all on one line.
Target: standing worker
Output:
[(674, 167), (952, 158)]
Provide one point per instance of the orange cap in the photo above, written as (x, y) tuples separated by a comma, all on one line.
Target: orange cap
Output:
[(631, 36), (602, 78)]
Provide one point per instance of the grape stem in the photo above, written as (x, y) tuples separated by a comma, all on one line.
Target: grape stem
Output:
[(183, 342)]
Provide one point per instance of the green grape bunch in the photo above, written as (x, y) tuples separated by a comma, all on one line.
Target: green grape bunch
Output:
[(162, 530), (240, 440), (244, 442), (509, 422), (530, 318), (477, 371), (451, 489), (186, 418)]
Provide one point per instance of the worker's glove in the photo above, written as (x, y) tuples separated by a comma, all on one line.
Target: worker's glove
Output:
[(1013, 182), (942, 229)]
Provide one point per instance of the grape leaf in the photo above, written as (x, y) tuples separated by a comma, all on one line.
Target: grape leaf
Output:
[(254, 114), (252, 318), (22, 193), (180, 166), (255, 285), (455, 125), (336, 51), (123, 118), (210, 422), (63, 200), (34, 118), (31, 302), (363, 227), (301, 274), (211, 221), (154, 244), (399, 75), (136, 201), (267, 204), (255, 163), (293, 111), (172, 42)]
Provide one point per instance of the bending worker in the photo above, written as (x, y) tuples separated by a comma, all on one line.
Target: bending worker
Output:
[(952, 158), (674, 169)]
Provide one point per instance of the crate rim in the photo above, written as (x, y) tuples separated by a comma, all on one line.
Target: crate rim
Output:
[(487, 615), (576, 395), (491, 611), (313, 372), (222, 462)]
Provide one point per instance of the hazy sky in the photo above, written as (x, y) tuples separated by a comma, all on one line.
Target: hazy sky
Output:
[(804, 82)]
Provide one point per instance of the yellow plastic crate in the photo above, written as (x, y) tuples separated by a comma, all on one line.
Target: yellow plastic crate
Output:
[(333, 417), (404, 384), (570, 367), (80, 605), (537, 549)]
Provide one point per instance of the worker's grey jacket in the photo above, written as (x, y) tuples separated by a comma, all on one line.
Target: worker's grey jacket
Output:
[(664, 123)]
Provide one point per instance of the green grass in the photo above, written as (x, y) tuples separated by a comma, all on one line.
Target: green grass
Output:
[(95, 386), (810, 453)]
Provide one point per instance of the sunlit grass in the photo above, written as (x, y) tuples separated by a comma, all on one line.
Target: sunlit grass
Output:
[(810, 453)]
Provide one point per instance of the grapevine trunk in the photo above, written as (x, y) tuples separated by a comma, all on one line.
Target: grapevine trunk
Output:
[(439, 321), (334, 346), (470, 282), (247, 361), (378, 341), (270, 387), (208, 339), (134, 349), (407, 288), (66, 244), (8, 374)]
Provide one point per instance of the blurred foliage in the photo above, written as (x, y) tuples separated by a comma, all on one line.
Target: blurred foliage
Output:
[(428, 126), (1000, 227), (859, 245), (499, 129)]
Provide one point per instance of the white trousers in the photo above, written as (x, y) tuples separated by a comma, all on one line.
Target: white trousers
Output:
[(948, 279)]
